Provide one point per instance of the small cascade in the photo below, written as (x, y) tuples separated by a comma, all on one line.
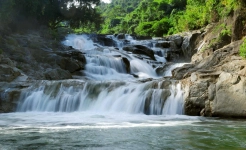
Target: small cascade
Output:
[(118, 43), (80, 42), (168, 72), (153, 98), (142, 69), (110, 62)]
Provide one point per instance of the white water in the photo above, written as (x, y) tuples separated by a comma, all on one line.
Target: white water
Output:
[(114, 93), (99, 97), (108, 110), (79, 42)]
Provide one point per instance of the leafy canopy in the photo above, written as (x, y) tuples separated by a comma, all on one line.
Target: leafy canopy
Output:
[(53, 12)]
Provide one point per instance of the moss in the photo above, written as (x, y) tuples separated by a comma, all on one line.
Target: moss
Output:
[(242, 49)]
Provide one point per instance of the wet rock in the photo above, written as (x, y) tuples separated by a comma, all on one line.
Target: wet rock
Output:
[(140, 49), (127, 64), (57, 74), (8, 100), (184, 71), (165, 84), (7, 73), (163, 44), (103, 40), (71, 60), (149, 102), (177, 39), (120, 36), (140, 37), (190, 44), (69, 64), (9, 95), (160, 70)]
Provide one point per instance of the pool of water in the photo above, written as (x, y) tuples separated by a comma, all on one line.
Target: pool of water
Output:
[(90, 130)]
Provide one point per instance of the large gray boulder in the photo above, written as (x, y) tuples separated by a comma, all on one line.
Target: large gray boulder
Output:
[(230, 98), (215, 85)]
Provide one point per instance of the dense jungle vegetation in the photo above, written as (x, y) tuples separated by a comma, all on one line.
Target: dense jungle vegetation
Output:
[(162, 17), (141, 17)]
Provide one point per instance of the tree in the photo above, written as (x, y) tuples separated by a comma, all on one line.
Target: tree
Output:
[(53, 12)]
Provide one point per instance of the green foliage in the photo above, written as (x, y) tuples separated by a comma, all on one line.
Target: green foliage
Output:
[(160, 17), (52, 12), (242, 49), (1, 51)]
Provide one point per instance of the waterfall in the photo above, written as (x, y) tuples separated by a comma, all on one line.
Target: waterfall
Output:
[(116, 81), (154, 98)]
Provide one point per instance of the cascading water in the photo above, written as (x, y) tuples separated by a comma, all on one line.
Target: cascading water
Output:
[(119, 103), (115, 68), (154, 98)]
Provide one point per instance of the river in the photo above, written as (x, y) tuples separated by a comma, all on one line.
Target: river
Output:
[(111, 106)]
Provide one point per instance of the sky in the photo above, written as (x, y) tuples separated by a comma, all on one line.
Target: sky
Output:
[(106, 1)]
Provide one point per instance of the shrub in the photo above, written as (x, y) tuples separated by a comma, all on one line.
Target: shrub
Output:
[(242, 49)]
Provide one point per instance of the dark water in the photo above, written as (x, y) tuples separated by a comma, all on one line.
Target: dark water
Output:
[(118, 131)]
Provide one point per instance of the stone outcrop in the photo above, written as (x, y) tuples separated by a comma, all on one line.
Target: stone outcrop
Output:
[(214, 82), (8, 73), (9, 95), (35, 55), (215, 85), (190, 44)]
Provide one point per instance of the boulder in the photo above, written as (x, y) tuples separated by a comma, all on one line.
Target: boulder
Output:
[(69, 64), (72, 60), (103, 40), (120, 36), (195, 95), (9, 100), (140, 49), (163, 44), (230, 98), (127, 64), (9, 95), (57, 74), (177, 39)]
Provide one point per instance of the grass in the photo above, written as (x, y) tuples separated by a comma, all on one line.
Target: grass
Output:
[(242, 49)]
